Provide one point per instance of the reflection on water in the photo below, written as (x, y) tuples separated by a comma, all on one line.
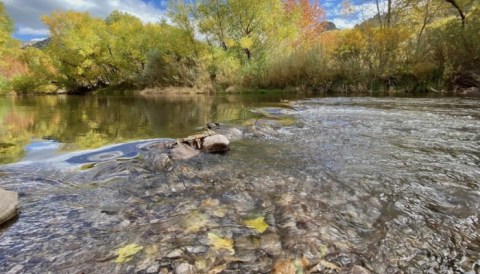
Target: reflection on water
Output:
[(389, 185), (92, 121)]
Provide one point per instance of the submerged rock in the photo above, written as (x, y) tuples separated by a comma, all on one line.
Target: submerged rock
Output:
[(185, 268), (215, 143), (359, 270), (160, 161), (184, 152), (16, 269), (8, 205), (175, 254), (153, 269), (234, 134), (212, 125)]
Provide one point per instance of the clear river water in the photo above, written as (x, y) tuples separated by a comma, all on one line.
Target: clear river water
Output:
[(311, 185)]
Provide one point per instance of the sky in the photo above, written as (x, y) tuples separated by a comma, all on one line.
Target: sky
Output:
[(28, 25)]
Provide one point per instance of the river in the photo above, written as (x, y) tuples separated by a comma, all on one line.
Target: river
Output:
[(314, 185)]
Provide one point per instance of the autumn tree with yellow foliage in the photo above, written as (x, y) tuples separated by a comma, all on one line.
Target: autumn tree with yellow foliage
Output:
[(407, 46), (9, 51)]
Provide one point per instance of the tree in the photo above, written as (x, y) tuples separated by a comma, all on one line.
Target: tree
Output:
[(6, 30), (10, 66), (127, 45), (311, 20), (458, 9), (245, 25), (78, 42)]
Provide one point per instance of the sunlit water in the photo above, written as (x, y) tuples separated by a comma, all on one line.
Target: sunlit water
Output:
[(389, 184)]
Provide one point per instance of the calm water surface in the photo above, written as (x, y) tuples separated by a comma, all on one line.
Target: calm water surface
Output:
[(68, 123), (391, 185)]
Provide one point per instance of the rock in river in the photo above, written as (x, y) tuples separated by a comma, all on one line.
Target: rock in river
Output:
[(8, 205), (184, 152), (215, 143)]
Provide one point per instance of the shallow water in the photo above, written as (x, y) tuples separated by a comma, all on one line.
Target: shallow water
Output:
[(391, 185)]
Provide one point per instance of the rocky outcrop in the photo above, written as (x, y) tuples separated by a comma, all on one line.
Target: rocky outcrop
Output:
[(162, 156), (8, 205), (208, 141)]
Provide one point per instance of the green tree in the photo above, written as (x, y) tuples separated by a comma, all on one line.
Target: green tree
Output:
[(247, 26), (79, 44), (6, 30), (9, 51), (128, 45), (41, 74)]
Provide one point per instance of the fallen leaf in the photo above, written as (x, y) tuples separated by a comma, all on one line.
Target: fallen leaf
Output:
[(300, 265), (194, 221), (258, 224), (219, 211), (217, 269), (284, 266), (220, 243), (151, 251), (329, 265), (210, 203), (290, 266), (126, 253), (323, 250)]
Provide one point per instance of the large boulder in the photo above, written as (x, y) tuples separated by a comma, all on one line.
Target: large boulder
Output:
[(215, 143), (8, 205)]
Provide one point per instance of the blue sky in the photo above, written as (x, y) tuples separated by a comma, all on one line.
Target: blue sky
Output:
[(28, 25)]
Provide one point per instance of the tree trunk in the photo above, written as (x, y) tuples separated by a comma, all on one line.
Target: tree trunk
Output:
[(379, 14), (248, 53), (459, 10), (388, 16)]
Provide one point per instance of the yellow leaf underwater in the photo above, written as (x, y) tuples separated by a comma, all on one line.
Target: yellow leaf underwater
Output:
[(194, 221), (258, 224), (220, 243), (126, 253), (329, 265)]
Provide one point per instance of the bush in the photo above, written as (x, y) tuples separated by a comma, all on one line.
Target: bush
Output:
[(30, 84), (170, 69), (223, 68), (305, 67), (4, 86)]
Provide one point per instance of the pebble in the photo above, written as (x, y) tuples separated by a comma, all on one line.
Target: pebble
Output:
[(185, 268), (124, 224), (175, 253), (162, 162), (153, 269), (16, 269), (196, 249), (359, 270), (271, 244)]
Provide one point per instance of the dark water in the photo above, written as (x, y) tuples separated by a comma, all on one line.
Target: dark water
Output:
[(391, 185)]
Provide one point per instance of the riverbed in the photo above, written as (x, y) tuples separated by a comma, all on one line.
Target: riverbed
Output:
[(313, 185)]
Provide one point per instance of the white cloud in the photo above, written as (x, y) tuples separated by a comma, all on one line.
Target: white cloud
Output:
[(82, 4), (27, 13), (342, 23), (30, 31), (37, 39)]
